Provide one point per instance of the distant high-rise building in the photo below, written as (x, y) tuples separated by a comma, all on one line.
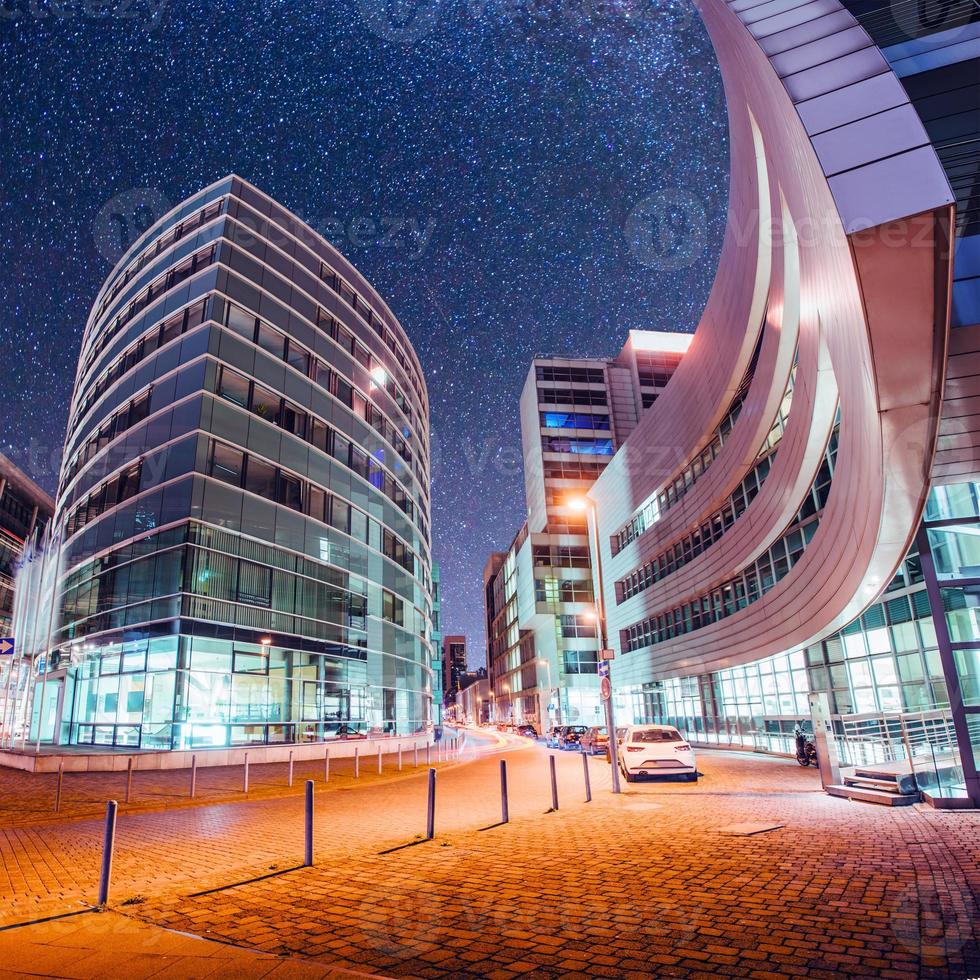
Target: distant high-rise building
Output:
[(25, 510), (542, 639), (453, 662)]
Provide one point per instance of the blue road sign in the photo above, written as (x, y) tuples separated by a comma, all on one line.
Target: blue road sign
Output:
[(6, 646), (603, 668)]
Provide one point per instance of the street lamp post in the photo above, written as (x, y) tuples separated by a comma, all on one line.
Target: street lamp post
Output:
[(587, 504)]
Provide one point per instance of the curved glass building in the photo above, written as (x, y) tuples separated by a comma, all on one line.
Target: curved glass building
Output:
[(242, 515), (794, 522)]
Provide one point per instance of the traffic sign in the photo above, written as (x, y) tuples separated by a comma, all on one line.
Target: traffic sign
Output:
[(605, 689), (6, 646), (603, 668), (607, 654)]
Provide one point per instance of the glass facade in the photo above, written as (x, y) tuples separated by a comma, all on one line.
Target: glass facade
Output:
[(889, 687), (242, 527)]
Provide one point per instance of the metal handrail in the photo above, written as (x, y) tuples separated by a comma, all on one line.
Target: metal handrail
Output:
[(891, 736)]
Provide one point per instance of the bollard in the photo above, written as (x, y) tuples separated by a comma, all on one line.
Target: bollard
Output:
[(357, 762), (308, 851), (399, 756), (245, 775), (326, 765), (193, 776), (108, 842), (504, 807), (289, 775), (379, 759), (588, 784), (129, 778), (430, 822), (57, 792), (554, 783)]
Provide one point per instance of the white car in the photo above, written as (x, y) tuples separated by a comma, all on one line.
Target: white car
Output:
[(656, 750)]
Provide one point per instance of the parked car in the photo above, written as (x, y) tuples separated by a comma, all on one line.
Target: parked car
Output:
[(595, 741), (554, 737), (656, 750), (570, 735), (529, 731)]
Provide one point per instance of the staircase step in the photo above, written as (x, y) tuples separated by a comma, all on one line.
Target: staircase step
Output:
[(873, 795), (876, 774), (905, 781), (888, 785)]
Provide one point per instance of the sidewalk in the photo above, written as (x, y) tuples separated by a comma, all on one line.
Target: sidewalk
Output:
[(107, 944), (28, 799), (754, 872)]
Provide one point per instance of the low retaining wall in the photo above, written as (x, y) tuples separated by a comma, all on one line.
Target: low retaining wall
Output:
[(116, 761)]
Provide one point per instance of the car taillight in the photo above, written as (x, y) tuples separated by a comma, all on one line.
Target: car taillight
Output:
[(683, 747), (634, 748)]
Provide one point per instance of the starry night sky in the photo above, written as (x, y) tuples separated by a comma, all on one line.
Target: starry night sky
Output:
[(516, 177)]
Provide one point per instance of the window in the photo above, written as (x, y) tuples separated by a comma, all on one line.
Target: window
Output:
[(340, 514), (393, 609), (317, 503), (571, 396), (654, 735), (290, 492), (294, 420), (241, 322), (319, 435), (227, 464), (598, 447), (254, 584), (265, 404), (573, 420), (260, 478), (298, 358), (547, 372), (250, 663), (234, 387), (271, 340), (577, 626)]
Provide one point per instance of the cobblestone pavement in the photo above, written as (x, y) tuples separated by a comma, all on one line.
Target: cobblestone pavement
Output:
[(47, 868), (29, 798), (108, 944), (644, 884)]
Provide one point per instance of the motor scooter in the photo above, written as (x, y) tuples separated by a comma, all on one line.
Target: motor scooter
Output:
[(806, 748)]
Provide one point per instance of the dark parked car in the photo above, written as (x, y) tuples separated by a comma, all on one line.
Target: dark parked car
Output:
[(570, 735), (529, 731)]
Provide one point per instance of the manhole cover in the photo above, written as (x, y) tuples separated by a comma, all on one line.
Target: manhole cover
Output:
[(748, 829)]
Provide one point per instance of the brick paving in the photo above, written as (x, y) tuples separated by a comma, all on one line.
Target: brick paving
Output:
[(29, 798), (640, 885), (109, 944)]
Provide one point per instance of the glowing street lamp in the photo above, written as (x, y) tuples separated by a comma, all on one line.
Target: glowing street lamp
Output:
[(598, 615)]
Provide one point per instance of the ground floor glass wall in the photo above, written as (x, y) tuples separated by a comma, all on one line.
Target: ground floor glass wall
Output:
[(182, 691)]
